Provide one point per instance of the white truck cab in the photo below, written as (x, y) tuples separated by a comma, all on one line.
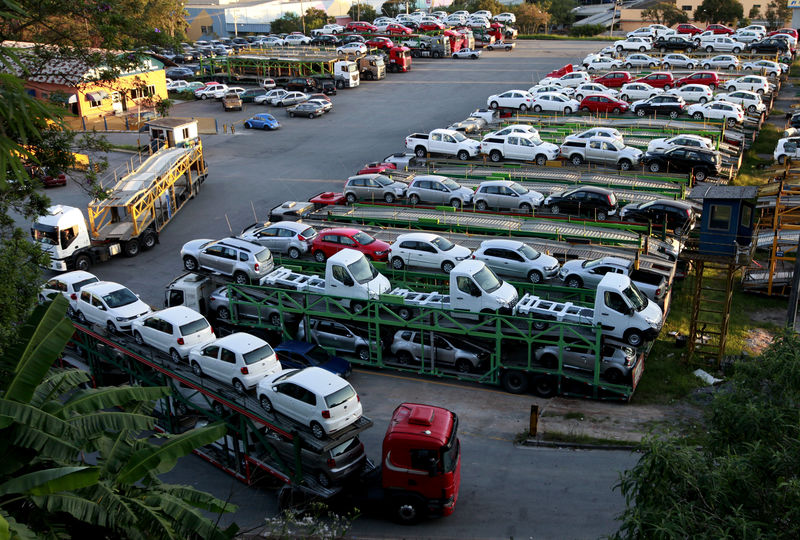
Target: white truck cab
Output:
[(63, 233)]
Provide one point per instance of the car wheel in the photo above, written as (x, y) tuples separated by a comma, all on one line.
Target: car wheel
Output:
[(665, 65), (555, 209), (613, 375), (275, 320), (319, 256), (703, 99), (706, 66), (514, 381), (651, 65), (463, 155), (481, 205), (363, 354), (619, 48), (601, 215), (137, 337), (190, 263), (673, 114), (628, 65), (389, 198), (414, 199), (175, 356), (737, 50), (203, 96), (655, 167), (662, 49), (294, 253), (463, 366), (310, 116), (748, 68), (634, 338), (642, 49), (317, 431), (241, 278), (760, 91), (713, 86), (585, 109), (700, 175), (81, 318), (534, 276), (615, 110), (266, 404), (218, 409), (493, 105), (567, 110), (398, 263), (456, 203), (640, 113), (690, 66), (525, 208), (196, 369), (697, 116), (574, 282), (238, 386), (709, 49), (495, 155), (751, 108), (576, 160), (667, 87), (350, 198), (247, 125), (111, 328), (541, 160), (291, 115), (523, 108), (624, 97)]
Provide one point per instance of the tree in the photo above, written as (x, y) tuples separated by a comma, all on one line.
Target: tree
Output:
[(777, 14), (755, 12), (49, 426), (392, 8), (561, 12), (288, 23), (740, 477), (362, 12), (719, 11), (530, 18), (666, 13), (316, 18)]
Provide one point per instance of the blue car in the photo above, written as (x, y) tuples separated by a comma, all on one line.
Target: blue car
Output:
[(262, 121), (300, 354)]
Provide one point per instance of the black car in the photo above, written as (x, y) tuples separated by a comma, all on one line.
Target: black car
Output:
[(585, 200), (660, 104), (769, 45), (326, 40), (250, 94), (702, 163), (676, 214), (674, 43), (353, 37), (179, 73), (328, 88), (301, 84)]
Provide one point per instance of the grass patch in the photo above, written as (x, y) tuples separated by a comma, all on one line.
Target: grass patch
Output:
[(577, 438), (131, 147), (574, 416), (777, 112), (751, 173)]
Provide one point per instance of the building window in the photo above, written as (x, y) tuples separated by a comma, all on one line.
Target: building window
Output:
[(686, 8), (185, 134), (747, 215), (720, 217), (143, 91), (207, 29), (93, 104)]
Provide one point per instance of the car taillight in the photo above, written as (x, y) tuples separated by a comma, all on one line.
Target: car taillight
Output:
[(331, 463), (658, 291), (301, 238), (180, 341), (256, 267), (245, 371), (358, 398), (73, 296), (326, 414)]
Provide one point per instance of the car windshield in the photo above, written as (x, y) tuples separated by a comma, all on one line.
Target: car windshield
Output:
[(285, 375), (308, 233), (195, 326), (458, 136), (592, 263), (442, 243), (120, 297), (635, 297), (529, 253), (487, 280), (647, 205), (363, 238), (362, 271), (340, 396), (257, 355), (450, 184), (518, 189), (382, 180)]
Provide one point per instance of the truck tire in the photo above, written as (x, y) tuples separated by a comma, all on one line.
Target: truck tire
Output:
[(576, 160), (539, 324), (515, 381), (634, 337), (340, 84), (83, 262), (319, 256), (131, 248), (545, 386), (420, 151), (574, 282), (408, 509), (496, 155), (463, 155), (149, 239), (190, 263)]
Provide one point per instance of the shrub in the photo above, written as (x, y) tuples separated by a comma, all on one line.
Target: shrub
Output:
[(587, 30)]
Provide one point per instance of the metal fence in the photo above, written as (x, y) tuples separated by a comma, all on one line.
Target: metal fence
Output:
[(205, 125)]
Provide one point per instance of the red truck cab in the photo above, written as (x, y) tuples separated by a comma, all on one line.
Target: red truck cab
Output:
[(421, 462), (399, 59)]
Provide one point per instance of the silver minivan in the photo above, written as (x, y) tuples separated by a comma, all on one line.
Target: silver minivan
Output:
[(438, 190), (373, 187), (291, 237), (506, 194), (337, 336), (408, 347)]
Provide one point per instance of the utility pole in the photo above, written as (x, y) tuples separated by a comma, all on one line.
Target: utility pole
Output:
[(613, 17), (794, 294)]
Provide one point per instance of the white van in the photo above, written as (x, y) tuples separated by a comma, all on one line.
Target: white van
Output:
[(238, 359), (175, 331)]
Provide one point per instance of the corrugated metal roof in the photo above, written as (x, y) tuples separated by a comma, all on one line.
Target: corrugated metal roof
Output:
[(713, 191)]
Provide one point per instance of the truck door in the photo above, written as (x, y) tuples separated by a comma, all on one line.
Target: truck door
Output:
[(435, 143), (512, 147), (614, 311)]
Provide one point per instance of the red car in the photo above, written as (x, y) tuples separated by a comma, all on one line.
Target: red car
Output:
[(659, 79), (331, 241), (720, 29), (377, 168), (709, 78), (360, 26), (397, 29), (791, 31), (430, 26), (47, 178), (603, 104), (380, 43), (614, 79), (687, 28)]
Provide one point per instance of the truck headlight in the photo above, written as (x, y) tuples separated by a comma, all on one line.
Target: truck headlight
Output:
[(654, 324), (373, 295)]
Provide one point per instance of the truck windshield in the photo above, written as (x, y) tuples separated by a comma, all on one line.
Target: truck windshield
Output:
[(120, 297), (451, 184), (635, 297), (529, 253), (487, 280), (458, 136), (363, 238), (451, 450), (442, 243), (382, 180), (45, 235), (518, 189), (362, 271), (257, 355)]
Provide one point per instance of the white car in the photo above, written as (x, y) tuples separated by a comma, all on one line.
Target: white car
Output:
[(767, 67), (177, 86), (314, 397), (639, 60), (296, 39), (478, 22), (485, 13), (110, 305), (661, 31), (467, 53), (271, 97), (636, 90), (555, 102), (721, 61), (426, 250), (759, 28), (515, 259), (210, 91), (603, 63), (731, 113), (354, 47), (586, 89), (515, 99), (542, 88), (752, 83), (750, 101), (633, 44), (238, 359), (606, 132), (454, 20), (174, 331), (645, 32), (572, 80), (332, 29), (505, 18), (699, 93), (717, 43), (664, 144), (674, 60), (238, 90), (786, 147), (271, 41), (514, 128), (68, 284), (747, 36)]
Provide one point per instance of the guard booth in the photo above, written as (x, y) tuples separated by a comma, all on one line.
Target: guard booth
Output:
[(727, 224), (172, 132)]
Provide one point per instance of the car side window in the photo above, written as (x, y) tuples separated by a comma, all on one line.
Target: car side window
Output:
[(86, 297), (267, 233), (596, 145), (285, 233), (211, 351), (166, 327), (227, 356), (511, 255), (96, 302), (154, 323), (242, 256), (346, 241)]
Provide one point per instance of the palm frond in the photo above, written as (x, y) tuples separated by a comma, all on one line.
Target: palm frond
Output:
[(115, 452), (51, 481), (57, 383), (45, 444), (94, 424), (33, 417), (187, 519), (152, 521), (115, 504), (78, 507), (94, 399), (160, 459), (198, 499)]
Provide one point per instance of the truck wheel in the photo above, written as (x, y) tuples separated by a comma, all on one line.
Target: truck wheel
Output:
[(534, 276), (515, 382), (241, 278), (576, 160), (149, 239), (613, 375), (83, 262), (339, 84), (131, 248), (317, 431), (363, 354), (447, 267), (574, 282), (275, 320), (463, 366), (420, 151), (408, 510), (539, 325), (294, 253), (463, 155), (319, 256), (634, 337), (398, 263), (495, 155), (541, 160), (190, 263), (544, 386), (350, 198)]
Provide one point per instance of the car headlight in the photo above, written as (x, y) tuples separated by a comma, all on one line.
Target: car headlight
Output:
[(654, 324)]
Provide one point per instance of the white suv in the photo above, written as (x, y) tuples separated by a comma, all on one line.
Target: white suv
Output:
[(426, 250), (640, 44), (751, 83), (717, 110), (109, 304), (238, 359), (174, 330), (211, 91)]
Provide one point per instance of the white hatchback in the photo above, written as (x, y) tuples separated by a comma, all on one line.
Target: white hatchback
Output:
[(314, 397), (515, 99), (426, 250), (555, 102), (239, 359), (751, 83), (67, 284), (174, 330), (699, 93), (110, 305), (638, 90)]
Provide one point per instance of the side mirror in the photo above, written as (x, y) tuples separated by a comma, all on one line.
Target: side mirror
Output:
[(631, 311)]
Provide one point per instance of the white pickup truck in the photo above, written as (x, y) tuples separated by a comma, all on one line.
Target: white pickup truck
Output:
[(620, 309), (443, 141), (523, 146)]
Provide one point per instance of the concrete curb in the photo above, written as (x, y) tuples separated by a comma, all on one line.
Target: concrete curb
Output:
[(578, 446)]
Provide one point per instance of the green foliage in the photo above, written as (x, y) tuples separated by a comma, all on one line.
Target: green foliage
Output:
[(755, 12), (719, 11), (587, 30), (163, 106), (316, 18), (48, 425), (392, 8), (531, 18), (742, 481), (561, 13), (666, 13), (290, 22), (777, 13), (362, 12)]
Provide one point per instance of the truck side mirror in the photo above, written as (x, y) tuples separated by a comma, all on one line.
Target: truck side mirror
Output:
[(631, 311)]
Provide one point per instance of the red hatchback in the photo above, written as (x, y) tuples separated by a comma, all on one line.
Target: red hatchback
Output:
[(360, 26), (377, 168), (720, 29), (791, 31), (603, 104), (380, 43), (332, 241), (614, 79), (709, 78), (397, 29), (659, 79), (431, 26), (687, 28)]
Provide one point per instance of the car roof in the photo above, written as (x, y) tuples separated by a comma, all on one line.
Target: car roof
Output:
[(318, 380), (177, 315), (340, 230), (241, 243), (432, 177), (501, 243), (240, 342), (74, 276), (419, 236), (497, 183), (370, 176), (297, 226), (103, 287)]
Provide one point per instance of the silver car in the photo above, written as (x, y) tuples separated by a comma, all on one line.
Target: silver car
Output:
[(243, 308), (291, 237), (513, 258), (337, 336), (438, 190), (291, 98), (506, 194), (373, 187), (616, 363), (242, 260), (408, 347)]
